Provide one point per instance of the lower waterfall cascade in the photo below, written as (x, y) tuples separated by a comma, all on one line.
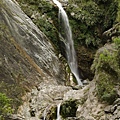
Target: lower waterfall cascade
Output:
[(58, 112)]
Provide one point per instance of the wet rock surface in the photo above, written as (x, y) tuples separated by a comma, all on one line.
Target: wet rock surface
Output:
[(26, 55), (113, 111), (29, 37), (43, 100)]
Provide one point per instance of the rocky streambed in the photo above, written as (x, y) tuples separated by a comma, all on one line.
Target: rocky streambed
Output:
[(76, 103)]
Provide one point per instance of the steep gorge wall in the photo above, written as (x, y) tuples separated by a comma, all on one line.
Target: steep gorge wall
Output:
[(21, 68), (88, 20), (26, 55)]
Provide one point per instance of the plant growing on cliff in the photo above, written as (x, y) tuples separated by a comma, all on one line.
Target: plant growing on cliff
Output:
[(5, 106), (44, 15), (106, 66), (117, 42), (106, 89), (96, 16), (68, 108), (118, 17)]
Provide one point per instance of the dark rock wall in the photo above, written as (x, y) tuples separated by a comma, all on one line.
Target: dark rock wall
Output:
[(26, 55)]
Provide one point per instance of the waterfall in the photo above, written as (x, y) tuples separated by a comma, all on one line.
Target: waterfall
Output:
[(66, 35), (44, 114), (58, 112)]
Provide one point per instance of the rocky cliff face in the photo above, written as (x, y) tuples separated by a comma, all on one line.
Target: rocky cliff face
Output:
[(30, 73), (29, 37), (88, 103), (88, 20), (26, 55)]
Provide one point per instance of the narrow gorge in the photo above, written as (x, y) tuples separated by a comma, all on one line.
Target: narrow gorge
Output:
[(43, 63)]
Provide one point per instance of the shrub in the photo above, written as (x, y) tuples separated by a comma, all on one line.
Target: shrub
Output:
[(106, 66), (106, 89), (5, 106), (96, 16), (117, 42), (68, 108)]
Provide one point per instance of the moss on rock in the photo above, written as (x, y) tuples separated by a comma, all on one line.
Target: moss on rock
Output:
[(68, 108), (92, 20), (107, 73)]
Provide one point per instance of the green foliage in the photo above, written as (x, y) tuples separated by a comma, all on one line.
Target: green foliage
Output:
[(45, 18), (68, 108), (106, 89), (117, 42), (107, 70), (48, 29), (106, 56), (102, 1), (14, 91), (5, 106), (104, 60), (88, 13), (118, 14), (92, 20), (110, 14), (89, 20)]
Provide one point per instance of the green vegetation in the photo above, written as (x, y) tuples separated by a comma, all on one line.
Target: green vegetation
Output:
[(107, 71), (44, 15), (118, 15), (68, 108), (5, 106), (117, 42), (107, 75), (106, 89), (88, 19), (93, 18), (52, 115)]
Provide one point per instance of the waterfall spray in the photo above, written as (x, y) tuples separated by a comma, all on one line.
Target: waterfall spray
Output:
[(66, 34)]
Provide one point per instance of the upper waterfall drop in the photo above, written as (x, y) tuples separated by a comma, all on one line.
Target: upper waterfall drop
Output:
[(66, 35)]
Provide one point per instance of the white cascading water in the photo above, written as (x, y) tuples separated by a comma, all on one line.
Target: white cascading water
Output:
[(66, 34), (44, 114), (58, 112)]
